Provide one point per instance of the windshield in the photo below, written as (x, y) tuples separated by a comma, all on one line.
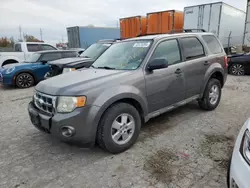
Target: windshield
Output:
[(33, 58), (95, 50), (124, 55)]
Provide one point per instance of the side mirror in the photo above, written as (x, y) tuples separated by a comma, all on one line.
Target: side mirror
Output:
[(157, 64), (43, 62)]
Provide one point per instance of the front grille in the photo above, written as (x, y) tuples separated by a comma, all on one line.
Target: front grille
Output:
[(55, 70), (45, 102)]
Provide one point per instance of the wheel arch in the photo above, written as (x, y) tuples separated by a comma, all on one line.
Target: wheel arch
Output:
[(24, 71), (9, 61), (217, 73), (131, 99)]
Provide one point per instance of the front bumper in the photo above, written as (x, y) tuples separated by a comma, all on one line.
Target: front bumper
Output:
[(6, 79), (83, 120), (239, 171)]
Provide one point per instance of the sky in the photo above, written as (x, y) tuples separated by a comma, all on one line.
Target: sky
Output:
[(54, 16)]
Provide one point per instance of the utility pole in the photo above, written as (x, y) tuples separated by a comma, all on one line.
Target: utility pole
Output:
[(20, 32), (62, 39), (41, 34)]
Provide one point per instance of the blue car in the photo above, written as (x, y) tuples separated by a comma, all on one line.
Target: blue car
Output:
[(30, 72)]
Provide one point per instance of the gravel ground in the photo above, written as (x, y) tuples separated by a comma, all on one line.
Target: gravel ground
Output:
[(187, 147)]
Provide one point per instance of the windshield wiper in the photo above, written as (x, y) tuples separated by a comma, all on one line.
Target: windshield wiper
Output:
[(106, 67), (85, 56)]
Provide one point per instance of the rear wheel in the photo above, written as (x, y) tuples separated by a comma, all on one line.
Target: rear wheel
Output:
[(24, 80), (237, 69), (119, 128), (212, 95)]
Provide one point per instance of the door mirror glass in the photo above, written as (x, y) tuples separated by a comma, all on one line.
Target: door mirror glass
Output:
[(158, 63)]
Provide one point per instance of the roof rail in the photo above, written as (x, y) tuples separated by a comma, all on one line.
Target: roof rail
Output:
[(150, 34), (108, 40), (191, 30), (186, 31)]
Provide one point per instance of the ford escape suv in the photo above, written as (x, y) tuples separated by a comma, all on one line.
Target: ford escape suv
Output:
[(131, 82)]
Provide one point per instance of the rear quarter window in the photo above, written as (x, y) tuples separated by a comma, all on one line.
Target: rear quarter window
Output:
[(212, 43)]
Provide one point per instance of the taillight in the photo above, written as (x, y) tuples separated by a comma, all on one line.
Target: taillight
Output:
[(226, 61)]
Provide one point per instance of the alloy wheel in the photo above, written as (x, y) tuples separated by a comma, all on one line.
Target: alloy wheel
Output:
[(237, 69), (24, 80), (122, 129), (214, 94)]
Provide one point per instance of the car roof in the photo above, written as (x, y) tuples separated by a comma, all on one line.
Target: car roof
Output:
[(160, 36), (54, 51)]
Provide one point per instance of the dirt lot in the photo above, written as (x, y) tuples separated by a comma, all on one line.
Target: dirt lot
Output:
[(184, 148)]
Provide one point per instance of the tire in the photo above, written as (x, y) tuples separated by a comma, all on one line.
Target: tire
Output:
[(206, 103), (228, 172), (106, 130), (237, 69), (24, 80)]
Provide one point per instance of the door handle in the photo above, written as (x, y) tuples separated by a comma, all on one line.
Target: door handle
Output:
[(206, 63), (178, 71)]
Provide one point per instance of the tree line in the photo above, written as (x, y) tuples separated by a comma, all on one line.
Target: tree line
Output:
[(9, 42)]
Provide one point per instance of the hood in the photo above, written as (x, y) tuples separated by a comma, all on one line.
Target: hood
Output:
[(80, 81), (17, 65), (69, 60)]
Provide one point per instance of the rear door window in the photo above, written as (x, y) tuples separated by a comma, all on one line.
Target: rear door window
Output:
[(193, 48), (213, 44), (18, 48), (33, 47), (51, 56)]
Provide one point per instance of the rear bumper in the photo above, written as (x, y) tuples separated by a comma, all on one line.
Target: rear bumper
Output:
[(82, 120)]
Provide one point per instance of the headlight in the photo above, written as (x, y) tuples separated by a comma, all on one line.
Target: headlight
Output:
[(65, 70), (245, 146), (9, 70), (68, 104)]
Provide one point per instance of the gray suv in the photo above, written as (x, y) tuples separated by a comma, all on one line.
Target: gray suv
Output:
[(133, 81)]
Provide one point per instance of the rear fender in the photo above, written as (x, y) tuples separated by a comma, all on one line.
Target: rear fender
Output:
[(6, 58), (216, 67)]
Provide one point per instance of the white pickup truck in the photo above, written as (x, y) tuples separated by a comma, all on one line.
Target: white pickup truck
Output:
[(22, 51)]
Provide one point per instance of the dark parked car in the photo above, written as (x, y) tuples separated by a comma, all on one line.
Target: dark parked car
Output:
[(133, 81), (239, 64), (84, 60)]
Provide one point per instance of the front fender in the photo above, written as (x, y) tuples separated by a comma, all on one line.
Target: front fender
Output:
[(216, 67), (111, 95), (24, 70)]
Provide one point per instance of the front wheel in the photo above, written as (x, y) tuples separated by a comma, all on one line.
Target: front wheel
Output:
[(212, 95), (237, 69), (24, 80), (119, 128)]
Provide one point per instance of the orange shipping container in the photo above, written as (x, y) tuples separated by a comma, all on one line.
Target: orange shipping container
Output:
[(133, 26), (164, 22)]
